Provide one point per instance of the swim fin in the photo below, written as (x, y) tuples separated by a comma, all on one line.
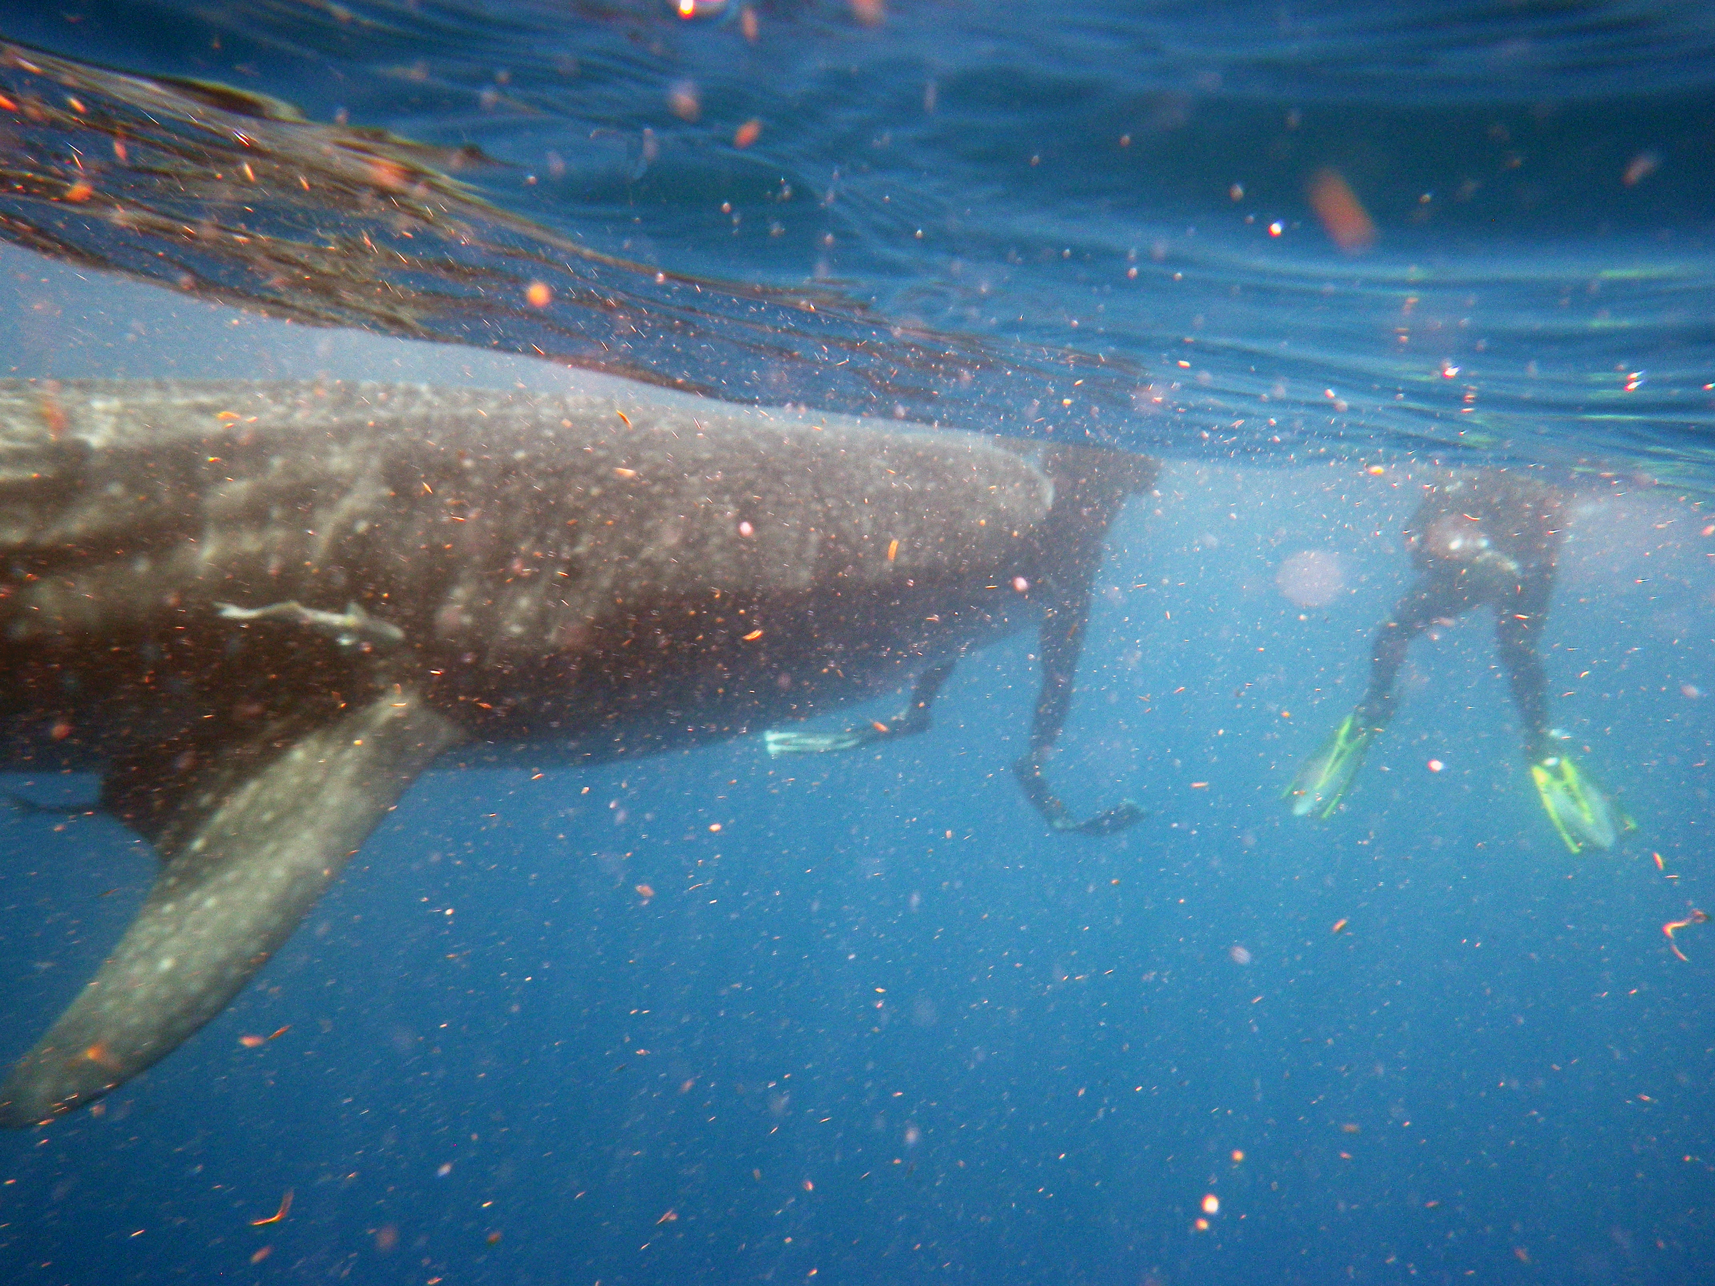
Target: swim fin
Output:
[(815, 743), (1327, 775), (1580, 809)]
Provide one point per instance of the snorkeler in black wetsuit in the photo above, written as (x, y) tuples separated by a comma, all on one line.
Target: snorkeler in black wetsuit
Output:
[(1486, 540), (1478, 540)]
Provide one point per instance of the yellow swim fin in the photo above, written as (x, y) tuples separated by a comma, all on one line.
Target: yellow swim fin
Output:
[(1581, 811), (1327, 775)]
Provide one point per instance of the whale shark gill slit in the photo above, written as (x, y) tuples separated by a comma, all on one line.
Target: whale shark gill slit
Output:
[(259, 611)]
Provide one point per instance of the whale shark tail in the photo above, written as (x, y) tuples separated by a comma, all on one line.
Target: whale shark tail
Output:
[(245, 853)]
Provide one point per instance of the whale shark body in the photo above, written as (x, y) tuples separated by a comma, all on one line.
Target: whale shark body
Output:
[(260, 610)]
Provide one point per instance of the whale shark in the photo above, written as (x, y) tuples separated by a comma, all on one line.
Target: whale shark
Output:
[(259, 611)]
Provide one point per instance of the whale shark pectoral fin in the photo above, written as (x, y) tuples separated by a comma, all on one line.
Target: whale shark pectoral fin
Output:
[(234, 883)]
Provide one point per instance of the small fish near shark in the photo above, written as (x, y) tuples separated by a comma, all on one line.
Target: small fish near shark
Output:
[(260, 610)]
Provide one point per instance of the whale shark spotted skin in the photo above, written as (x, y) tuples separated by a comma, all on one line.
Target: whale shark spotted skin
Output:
[(260, 610)]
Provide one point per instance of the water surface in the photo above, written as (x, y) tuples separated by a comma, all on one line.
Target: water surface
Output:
[(895, 1030)]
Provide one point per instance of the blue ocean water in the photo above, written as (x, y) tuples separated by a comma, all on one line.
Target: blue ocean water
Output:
[(874, 1023)]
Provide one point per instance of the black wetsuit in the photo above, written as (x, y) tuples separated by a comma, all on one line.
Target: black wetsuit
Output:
[(1487, 539)]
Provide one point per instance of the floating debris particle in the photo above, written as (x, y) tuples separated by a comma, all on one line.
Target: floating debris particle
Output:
[(278, 1215), (1639, 168), (1673, 926), (1343, 216)]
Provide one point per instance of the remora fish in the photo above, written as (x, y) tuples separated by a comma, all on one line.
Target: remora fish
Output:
[(261, 610)]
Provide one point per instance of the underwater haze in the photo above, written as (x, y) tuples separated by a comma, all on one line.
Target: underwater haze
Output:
[(868, 1018)]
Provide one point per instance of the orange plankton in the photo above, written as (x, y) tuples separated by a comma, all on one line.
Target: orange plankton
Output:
[(1696, 917), (281, 1213), (1343, 216)]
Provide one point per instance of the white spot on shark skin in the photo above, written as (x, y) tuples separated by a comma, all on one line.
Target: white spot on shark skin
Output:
[(166, 963)]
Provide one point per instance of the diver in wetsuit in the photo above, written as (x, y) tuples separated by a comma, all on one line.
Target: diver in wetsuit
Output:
[(1478, 540)]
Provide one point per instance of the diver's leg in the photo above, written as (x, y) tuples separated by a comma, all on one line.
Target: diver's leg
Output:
[(1062, 639), (1413, 614), (1582, 812), (909, 722), (1322, 780), (915, 717), (1518, 620), (1525, 676)]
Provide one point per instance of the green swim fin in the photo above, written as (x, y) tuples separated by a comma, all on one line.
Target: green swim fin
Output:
[(814, 743), (1327, 775), (1580, 809)]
